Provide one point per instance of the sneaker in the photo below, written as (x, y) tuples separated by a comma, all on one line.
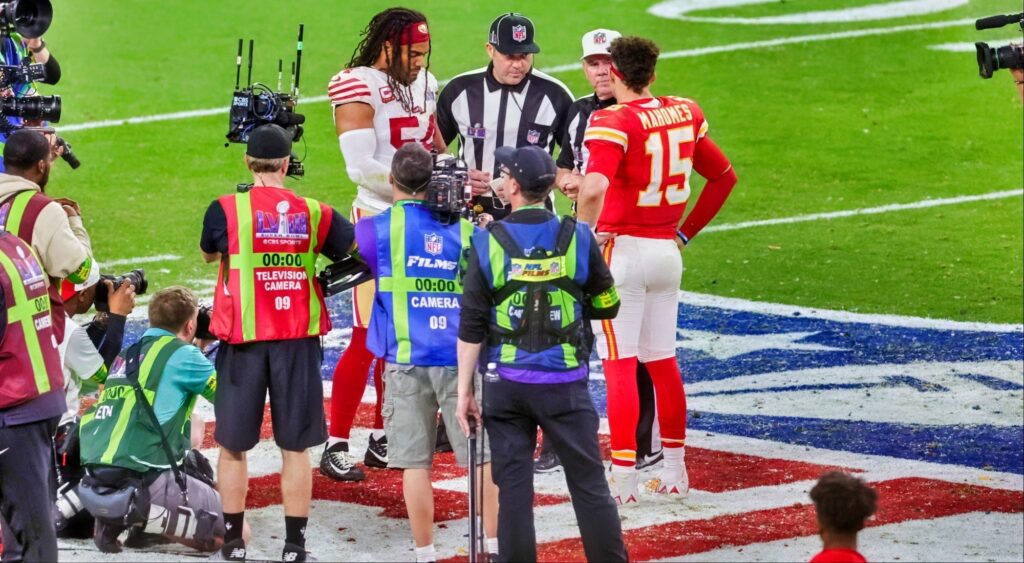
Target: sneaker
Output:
[(336, 464), (649, 461), (377, 453), (624, 487), (233, 550), (293, 554), (547, 462), (670, 482), (105, 537)]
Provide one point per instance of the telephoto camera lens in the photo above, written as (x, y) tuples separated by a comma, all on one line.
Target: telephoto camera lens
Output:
[(46, 108), (134, 277)]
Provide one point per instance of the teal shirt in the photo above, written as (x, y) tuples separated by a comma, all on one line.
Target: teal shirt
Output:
[(188, 373)]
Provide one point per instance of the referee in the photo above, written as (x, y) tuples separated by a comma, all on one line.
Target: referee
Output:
[(506, 104)]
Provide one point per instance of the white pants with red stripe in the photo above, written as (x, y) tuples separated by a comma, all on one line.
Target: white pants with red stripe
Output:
[(647, 273)]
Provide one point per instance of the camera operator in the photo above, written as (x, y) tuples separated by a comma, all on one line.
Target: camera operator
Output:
[(16, 50), (53, 227), (85, 364), (532, 284), (416, 333), (269, 311), (123, 449), (31, 402)]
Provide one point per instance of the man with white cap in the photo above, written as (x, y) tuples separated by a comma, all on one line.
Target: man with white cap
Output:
[(597, 63)]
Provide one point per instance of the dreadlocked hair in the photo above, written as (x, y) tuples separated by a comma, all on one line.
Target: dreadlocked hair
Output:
[(391, 25)]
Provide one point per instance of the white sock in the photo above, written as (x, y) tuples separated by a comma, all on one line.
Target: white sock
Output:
[(492, 546), (377, 434), (672, 470), (332, 440), (623, 470), (426, 553)]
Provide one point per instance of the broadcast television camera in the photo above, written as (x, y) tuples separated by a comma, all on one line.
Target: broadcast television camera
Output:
[(257, 104), (448, 193), (1008, 56)]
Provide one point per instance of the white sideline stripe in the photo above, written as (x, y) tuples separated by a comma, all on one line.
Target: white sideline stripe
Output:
[(925, 203), (559, 68), (793, 311), (140, 260)]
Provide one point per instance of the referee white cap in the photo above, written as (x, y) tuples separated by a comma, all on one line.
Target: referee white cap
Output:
[(596, 42)]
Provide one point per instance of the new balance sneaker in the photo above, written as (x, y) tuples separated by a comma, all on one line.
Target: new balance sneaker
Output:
[(624, 487), (336, 464), (233, 550), (377, 453), (294, 554), (547, 462), (649, 461)]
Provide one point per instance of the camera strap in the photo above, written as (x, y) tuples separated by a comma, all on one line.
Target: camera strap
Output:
[(132, 375)]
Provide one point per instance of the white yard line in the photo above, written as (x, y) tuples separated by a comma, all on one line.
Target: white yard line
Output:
[(700, 51), (140, 260), (925, 203)]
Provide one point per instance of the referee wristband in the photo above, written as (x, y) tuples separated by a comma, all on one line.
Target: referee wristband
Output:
[(682, 237)]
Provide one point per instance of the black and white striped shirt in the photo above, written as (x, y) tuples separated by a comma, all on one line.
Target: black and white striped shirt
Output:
[(485, 114), (574, 154)]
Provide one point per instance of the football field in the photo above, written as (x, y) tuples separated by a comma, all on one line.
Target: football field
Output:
[(857, 303)]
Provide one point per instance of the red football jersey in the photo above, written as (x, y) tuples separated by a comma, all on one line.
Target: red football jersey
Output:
[(645, 148), (838, 555)]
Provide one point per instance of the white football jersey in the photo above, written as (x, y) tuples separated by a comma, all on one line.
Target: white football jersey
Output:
[(393, 125)]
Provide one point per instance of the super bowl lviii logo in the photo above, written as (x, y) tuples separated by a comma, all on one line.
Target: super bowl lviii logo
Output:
[(281, 224)]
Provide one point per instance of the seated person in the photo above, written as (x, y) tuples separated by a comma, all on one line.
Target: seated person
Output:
[(843, 503), (122, 447)]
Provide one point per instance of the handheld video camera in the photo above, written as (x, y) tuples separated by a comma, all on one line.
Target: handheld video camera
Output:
[(1007, 56), (448, 193), (257, 104)]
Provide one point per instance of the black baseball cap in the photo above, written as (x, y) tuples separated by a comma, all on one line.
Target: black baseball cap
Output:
[(531, 166), (512, 34), (269, 141)]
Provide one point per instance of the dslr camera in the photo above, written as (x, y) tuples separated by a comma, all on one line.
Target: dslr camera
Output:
[(1008, 56), (256, 105), (134, 277)]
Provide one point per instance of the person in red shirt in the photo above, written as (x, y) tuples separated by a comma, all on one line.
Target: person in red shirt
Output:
[(843, 503), (643, 151)]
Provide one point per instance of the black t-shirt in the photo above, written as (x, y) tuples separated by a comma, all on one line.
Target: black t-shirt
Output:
[(215, 233)]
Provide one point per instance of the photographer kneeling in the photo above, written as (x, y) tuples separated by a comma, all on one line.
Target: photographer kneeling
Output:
[(134, 440)]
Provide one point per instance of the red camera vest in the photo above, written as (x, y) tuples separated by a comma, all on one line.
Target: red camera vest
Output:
[(267, 287)]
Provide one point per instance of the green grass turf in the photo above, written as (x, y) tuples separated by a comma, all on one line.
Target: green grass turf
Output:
[(814, 127)]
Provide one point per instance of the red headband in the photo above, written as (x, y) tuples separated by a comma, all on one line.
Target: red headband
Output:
[(618, 74), (416, 32)]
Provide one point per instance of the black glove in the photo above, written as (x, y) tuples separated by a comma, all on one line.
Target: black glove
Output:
[(197, 466)]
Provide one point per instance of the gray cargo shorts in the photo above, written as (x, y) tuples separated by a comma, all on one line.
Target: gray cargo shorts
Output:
[(412, 397)]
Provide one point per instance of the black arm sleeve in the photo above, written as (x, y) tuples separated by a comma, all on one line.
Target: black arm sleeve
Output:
[(339, 238), (52, 70), (445, 120), (599, 281), (215, 230), (476, 303), (108, 340)]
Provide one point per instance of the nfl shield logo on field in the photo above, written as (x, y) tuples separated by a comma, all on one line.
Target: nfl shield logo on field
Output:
[(519, 33), (532, 137), (433, 243)]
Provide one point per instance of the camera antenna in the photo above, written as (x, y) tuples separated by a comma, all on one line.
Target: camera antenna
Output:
[(248, 79), (298, 62), (291, 87), (238, 64), (280, 69)]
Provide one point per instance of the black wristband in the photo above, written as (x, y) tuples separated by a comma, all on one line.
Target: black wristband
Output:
[(42, 45)]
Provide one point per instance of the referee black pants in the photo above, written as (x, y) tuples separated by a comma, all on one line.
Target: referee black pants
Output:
[(26, 494), (512, 412)]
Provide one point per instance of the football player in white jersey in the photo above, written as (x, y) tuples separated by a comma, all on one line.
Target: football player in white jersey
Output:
[(384, 99)]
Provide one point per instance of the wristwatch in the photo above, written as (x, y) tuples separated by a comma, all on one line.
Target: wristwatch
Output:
[(42, 45)]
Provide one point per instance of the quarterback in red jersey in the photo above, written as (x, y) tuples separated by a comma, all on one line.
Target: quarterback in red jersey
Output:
[(643, 151)]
